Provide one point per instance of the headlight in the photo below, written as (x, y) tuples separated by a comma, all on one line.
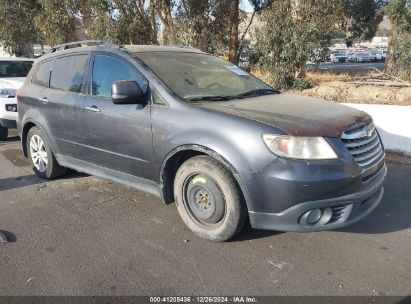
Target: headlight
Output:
[(299, 147), (7, 93)]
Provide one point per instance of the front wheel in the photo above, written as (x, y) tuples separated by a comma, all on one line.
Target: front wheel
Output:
[(41, 157), (208, 199)]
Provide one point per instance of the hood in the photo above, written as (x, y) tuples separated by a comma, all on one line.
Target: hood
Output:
[(12, 82), (294, 114)]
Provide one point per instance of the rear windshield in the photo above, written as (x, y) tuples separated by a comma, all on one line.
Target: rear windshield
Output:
[(14, 68), (197, 75)]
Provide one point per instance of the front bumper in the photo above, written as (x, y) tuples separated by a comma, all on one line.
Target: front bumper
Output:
[(4, 113), (7, 123), (337, 211)]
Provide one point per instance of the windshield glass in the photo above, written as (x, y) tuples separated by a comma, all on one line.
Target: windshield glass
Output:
[(196, 76), (14, 68)]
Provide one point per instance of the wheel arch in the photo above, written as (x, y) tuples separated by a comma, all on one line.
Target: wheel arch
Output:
[(176, 157), (29, 124), (24, 132)]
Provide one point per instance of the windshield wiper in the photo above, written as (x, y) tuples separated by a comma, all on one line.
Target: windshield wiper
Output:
[(211, 98), (258, 92)]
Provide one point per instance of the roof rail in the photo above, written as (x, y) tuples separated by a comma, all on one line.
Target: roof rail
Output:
[(76, 44)]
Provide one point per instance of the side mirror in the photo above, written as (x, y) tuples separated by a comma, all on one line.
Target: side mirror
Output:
[(127, 92)]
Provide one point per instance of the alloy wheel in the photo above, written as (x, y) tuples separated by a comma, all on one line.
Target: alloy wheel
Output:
[(38, 153)]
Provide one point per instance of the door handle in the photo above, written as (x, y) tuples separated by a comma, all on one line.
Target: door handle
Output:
[(92, 109), (44, 100)]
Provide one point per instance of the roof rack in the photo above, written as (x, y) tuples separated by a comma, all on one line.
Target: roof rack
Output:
[(76, 44)]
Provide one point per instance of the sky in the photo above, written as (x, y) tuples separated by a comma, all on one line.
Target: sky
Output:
[(246, 6)]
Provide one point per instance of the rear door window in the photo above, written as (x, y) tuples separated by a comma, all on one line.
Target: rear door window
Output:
[(107, 69), (68, 73), (42, 74)]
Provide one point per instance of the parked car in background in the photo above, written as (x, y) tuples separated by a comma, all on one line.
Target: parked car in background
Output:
[(373, 54), (192, 128), (13, 71), (350, 55), (362, 57), (338, 57), (381, 55)]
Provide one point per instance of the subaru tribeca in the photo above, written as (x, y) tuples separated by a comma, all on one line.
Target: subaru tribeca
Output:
[(196, 130)]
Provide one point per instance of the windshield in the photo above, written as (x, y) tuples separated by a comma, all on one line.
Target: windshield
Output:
[(14, 68), (198, 77)]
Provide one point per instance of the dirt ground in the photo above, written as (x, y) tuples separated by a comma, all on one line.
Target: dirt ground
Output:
[(374, 92), (353, 86)]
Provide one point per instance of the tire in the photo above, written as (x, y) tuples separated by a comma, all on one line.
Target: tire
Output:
[(4, 132), (41, 156), (208, 199)]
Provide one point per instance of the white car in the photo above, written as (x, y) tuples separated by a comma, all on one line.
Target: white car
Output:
[(337, 57), (13, 72), (381, 55), (362, 57)]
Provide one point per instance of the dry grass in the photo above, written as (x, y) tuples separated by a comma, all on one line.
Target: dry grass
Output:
[(262, 74), (319, 77), (352, 86)]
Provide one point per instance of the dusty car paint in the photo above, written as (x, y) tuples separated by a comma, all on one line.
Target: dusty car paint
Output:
[(139, 145)]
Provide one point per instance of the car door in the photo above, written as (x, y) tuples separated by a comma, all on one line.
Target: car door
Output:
[(118, 136), (63, 102)]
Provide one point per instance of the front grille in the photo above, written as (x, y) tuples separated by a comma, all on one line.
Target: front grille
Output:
[(364, 145)]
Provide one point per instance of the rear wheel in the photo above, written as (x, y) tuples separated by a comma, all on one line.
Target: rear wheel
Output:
[(41, 157), (208, 199), (4, 132)]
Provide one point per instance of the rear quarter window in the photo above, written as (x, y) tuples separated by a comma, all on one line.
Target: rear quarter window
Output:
[(68, 73), (41, 75)]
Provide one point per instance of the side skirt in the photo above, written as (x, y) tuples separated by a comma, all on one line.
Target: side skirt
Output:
[(109, 174)]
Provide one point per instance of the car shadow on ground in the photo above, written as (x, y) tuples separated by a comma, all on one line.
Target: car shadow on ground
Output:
[(248, 234), (29, 180), (20, 181), (394, 211), (10, 140)]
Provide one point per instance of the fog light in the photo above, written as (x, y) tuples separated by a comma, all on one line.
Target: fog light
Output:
[(11, 108), (314, 216)]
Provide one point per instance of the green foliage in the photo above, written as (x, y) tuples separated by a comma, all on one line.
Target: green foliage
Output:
[(360, 19), (201, 23), (399, 52), (17, 31), (54, 22), (282, 78), (303, 84), (294, 32)]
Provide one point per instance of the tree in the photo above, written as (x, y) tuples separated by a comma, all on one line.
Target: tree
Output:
[(55, 21), (233, 34), (398, 61), (163, 9), (196, 23), (360, 19), (16, 36), (236, 41), (294, 32)]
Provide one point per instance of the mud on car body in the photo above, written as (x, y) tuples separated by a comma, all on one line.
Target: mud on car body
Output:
[(192, 128)]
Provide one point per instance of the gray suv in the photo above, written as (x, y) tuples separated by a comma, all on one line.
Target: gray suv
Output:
[(194, 129)]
